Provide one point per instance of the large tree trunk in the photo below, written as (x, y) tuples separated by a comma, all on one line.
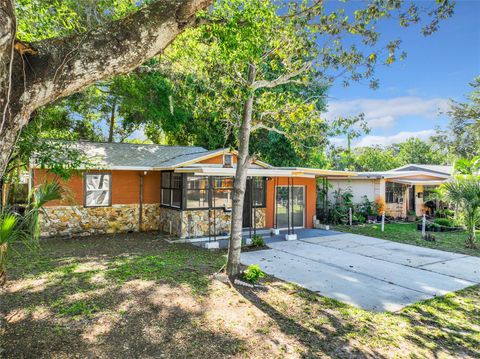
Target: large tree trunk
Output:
[(62, 66), (243, 163)]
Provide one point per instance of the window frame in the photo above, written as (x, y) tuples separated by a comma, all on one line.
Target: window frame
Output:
[(230, 156), (186, 189), (264, 196), (85, 174), (210, 190), (214, 189), (394, 184), (171, 188)]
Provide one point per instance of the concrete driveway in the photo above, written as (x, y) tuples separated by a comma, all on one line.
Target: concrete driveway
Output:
[(369, 273)]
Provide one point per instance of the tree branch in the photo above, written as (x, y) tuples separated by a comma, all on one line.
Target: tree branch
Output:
[(66, 65), (259, 126), (281, 80)]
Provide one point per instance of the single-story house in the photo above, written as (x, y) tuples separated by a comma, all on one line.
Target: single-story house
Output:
[(182, 190), (405, 189)]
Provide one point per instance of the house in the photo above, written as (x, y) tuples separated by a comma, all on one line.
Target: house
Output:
[(405, 189), (182, 190)]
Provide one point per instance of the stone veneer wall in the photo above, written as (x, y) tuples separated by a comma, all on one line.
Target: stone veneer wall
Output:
[(82, 221), (396, 210), (170, 221), (195, 223)]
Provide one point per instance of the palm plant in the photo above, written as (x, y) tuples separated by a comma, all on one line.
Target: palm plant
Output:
[(464, 193), (9, 232), (26, 228)]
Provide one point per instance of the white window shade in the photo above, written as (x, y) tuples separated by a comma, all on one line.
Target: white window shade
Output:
[(97, 189)]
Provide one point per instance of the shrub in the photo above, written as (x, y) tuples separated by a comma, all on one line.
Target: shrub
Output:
[(257, 241), (446, 222), (253, 273), (380, 205)]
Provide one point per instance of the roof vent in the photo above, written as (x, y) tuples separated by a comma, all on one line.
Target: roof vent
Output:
[(228, 160)]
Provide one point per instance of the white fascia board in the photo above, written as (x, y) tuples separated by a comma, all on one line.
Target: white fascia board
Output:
[(109, 168), (391, 175), (420, 182), (255, 172)]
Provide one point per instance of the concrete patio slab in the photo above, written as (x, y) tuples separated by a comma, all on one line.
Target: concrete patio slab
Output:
[(427, 282), (467, 268), (348, 287), (367, 272), (413, 255)]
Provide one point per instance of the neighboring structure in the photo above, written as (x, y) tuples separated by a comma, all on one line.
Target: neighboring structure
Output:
[(184, 191), (405, 189)]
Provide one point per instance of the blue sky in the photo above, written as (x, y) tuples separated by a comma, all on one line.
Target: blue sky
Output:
[(412, 92)]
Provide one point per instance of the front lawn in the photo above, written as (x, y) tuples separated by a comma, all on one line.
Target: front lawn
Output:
[(136, 296), (408, 233)]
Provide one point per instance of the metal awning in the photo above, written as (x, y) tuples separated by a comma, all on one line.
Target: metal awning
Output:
[(424, 182), (321, 172), (251, 172), (264, 172)]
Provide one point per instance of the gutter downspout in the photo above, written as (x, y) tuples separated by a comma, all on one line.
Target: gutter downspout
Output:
[(140, 214)]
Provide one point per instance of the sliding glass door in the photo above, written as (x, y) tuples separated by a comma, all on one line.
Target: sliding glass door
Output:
[(296, 202)]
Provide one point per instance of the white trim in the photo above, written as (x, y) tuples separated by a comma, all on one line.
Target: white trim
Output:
[(255, 172), (424, 169)]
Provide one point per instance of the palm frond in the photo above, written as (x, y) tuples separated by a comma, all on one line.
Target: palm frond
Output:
[(9, 231), (46, 192)]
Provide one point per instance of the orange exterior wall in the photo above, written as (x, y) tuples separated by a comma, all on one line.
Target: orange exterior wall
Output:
[(125, 187), (310, 198), (218, 160)]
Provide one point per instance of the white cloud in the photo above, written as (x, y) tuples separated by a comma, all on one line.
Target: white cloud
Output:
[(383, 113), (370, 140)]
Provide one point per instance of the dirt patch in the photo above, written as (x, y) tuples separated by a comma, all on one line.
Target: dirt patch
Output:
[(137, 296)]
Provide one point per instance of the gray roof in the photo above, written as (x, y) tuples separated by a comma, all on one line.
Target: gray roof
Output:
[(138, 156), (445, 170)]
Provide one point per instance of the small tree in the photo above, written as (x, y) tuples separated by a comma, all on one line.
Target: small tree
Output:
[(266, 65), (464, 193)]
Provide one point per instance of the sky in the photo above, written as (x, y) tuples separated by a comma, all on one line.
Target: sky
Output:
[(413, 92)]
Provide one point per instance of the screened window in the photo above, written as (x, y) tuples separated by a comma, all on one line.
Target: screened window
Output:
[(196, 192), (222, 192), (172, 189), (259, 192), (394, 192), (98, 189)]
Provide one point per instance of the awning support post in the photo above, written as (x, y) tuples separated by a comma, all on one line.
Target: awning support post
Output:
[(288, 205), (250, 204), (293, 222), (254, 208)]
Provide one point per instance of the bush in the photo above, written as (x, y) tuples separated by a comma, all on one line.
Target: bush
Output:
[(446, 222), (253, 273), (257, 241)]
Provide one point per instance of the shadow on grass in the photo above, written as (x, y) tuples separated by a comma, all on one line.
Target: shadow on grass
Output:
[(450, 322), (444, 326), (128, 297), (334, 343)]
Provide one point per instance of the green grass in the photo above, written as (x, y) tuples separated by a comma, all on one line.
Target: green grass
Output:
[(408, 233), (140, 296), (77, 308), (447, 326), (177, 265)]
